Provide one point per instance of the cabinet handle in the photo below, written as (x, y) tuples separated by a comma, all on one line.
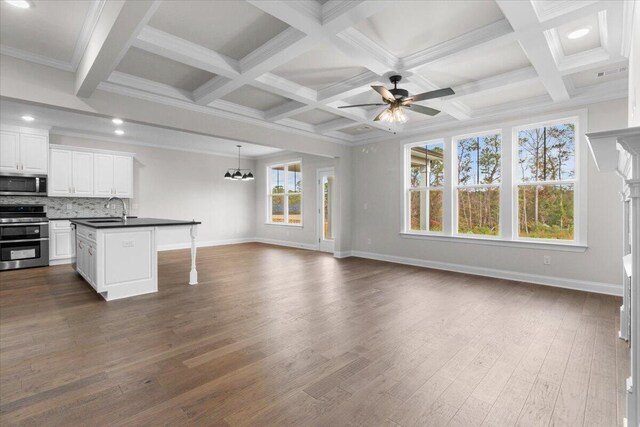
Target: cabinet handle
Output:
[(90, 252), (80, 245), (17, 166)]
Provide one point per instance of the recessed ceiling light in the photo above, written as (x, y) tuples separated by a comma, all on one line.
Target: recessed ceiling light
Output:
[(119, 132), (28, 118), (22, 4), (117, 121), (578, 33)]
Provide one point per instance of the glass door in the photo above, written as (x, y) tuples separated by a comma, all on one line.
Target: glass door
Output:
[(326, 209)]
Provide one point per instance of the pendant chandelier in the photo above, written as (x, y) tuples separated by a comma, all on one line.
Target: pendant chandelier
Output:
[(239, 174)]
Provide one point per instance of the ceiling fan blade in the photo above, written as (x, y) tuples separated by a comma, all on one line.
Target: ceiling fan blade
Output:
[(377, 118), (433, 94), (360, 105), (423, 110), (384, 92)]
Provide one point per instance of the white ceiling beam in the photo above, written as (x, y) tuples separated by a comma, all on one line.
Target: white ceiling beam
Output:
[(523, 19), (291, 108), (489, 37), (333, 125), (350, 87), (177, 49), (501, 81), (277, 51), (118, 26), (139, 83)]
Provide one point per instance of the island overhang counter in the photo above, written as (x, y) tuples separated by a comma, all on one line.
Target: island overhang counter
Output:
[(119, 258)]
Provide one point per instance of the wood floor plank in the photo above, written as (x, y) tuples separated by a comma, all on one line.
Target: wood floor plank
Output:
[(287, 337)]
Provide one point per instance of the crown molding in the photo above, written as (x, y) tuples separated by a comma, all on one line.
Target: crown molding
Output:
[(38, 59)]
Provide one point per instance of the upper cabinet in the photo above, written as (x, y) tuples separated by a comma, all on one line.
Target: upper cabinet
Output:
[(24, 150), (90, 173)]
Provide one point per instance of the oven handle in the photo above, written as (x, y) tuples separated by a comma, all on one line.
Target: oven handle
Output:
[(14, 224), (24, 240)]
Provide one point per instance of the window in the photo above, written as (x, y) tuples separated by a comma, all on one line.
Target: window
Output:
[(520, 183), (284, 196), (426, 180), (478, 190), (546, 176)]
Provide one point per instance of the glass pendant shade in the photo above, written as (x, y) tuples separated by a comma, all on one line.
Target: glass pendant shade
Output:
[(227, 175), (237, 175), (249, 176)]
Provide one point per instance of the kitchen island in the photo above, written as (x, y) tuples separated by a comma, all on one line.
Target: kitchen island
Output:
[(119, 258)]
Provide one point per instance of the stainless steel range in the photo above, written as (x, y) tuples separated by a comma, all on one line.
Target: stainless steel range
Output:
[(24, 236)]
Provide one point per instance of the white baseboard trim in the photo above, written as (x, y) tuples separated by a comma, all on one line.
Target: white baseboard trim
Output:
[(199, 244), (343, 254), (580, 285), (307, 246), (61, 261)]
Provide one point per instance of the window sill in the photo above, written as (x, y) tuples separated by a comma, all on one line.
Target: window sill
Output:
[(496, 241), (284, 225)]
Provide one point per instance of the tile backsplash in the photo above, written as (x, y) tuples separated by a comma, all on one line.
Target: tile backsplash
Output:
[(67, 207)]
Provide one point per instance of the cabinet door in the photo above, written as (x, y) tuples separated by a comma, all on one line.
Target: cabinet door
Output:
[(103, 175), (82, 174), (123, 176), (62, 240), (61, 245), (9, 149), (34, 150), (81, 259), (92, 266), (60, 177)]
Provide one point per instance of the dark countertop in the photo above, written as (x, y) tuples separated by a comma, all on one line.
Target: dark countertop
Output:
[(69, 218), (132, 222)]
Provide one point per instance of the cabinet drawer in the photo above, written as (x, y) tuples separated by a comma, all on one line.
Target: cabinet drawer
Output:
[(86, 233), (60, 225)]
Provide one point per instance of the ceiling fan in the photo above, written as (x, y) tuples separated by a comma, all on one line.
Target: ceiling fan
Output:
[(396, 99)]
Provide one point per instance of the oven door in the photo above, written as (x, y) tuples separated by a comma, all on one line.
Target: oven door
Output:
[(23, 185), (24, 254), (24, 245), (23, 231)]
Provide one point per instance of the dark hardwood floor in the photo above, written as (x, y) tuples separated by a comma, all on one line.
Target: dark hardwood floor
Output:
[(286, 337)]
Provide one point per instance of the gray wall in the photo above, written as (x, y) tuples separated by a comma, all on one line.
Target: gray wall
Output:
[(182, 185), (376, 184), (305, 236)]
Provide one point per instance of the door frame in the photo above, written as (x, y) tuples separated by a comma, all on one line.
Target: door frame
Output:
[(319, 202)]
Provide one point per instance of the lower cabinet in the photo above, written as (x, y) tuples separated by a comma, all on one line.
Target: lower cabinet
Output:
[(62, 242), (86, 263)]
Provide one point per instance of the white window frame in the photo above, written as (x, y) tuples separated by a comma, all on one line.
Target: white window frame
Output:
[(457, 187), (408, 189), (509, 235), (576, 181), (286, 194)]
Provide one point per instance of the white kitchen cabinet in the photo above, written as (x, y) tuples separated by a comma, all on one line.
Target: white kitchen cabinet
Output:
[(86, 262), (34, 153), (9, 151), (123, 176), (103, 175), (24, 150), (90, 173), (113, 175), (62, 242), (82, 172), (60, 175)]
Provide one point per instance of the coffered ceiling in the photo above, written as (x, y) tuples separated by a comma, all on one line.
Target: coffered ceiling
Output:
[(291, 64)]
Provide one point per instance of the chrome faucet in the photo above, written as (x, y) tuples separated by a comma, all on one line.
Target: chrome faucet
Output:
[(124, 206)]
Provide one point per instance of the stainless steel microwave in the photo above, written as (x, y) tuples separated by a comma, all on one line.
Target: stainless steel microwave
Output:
[(23, 185)]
